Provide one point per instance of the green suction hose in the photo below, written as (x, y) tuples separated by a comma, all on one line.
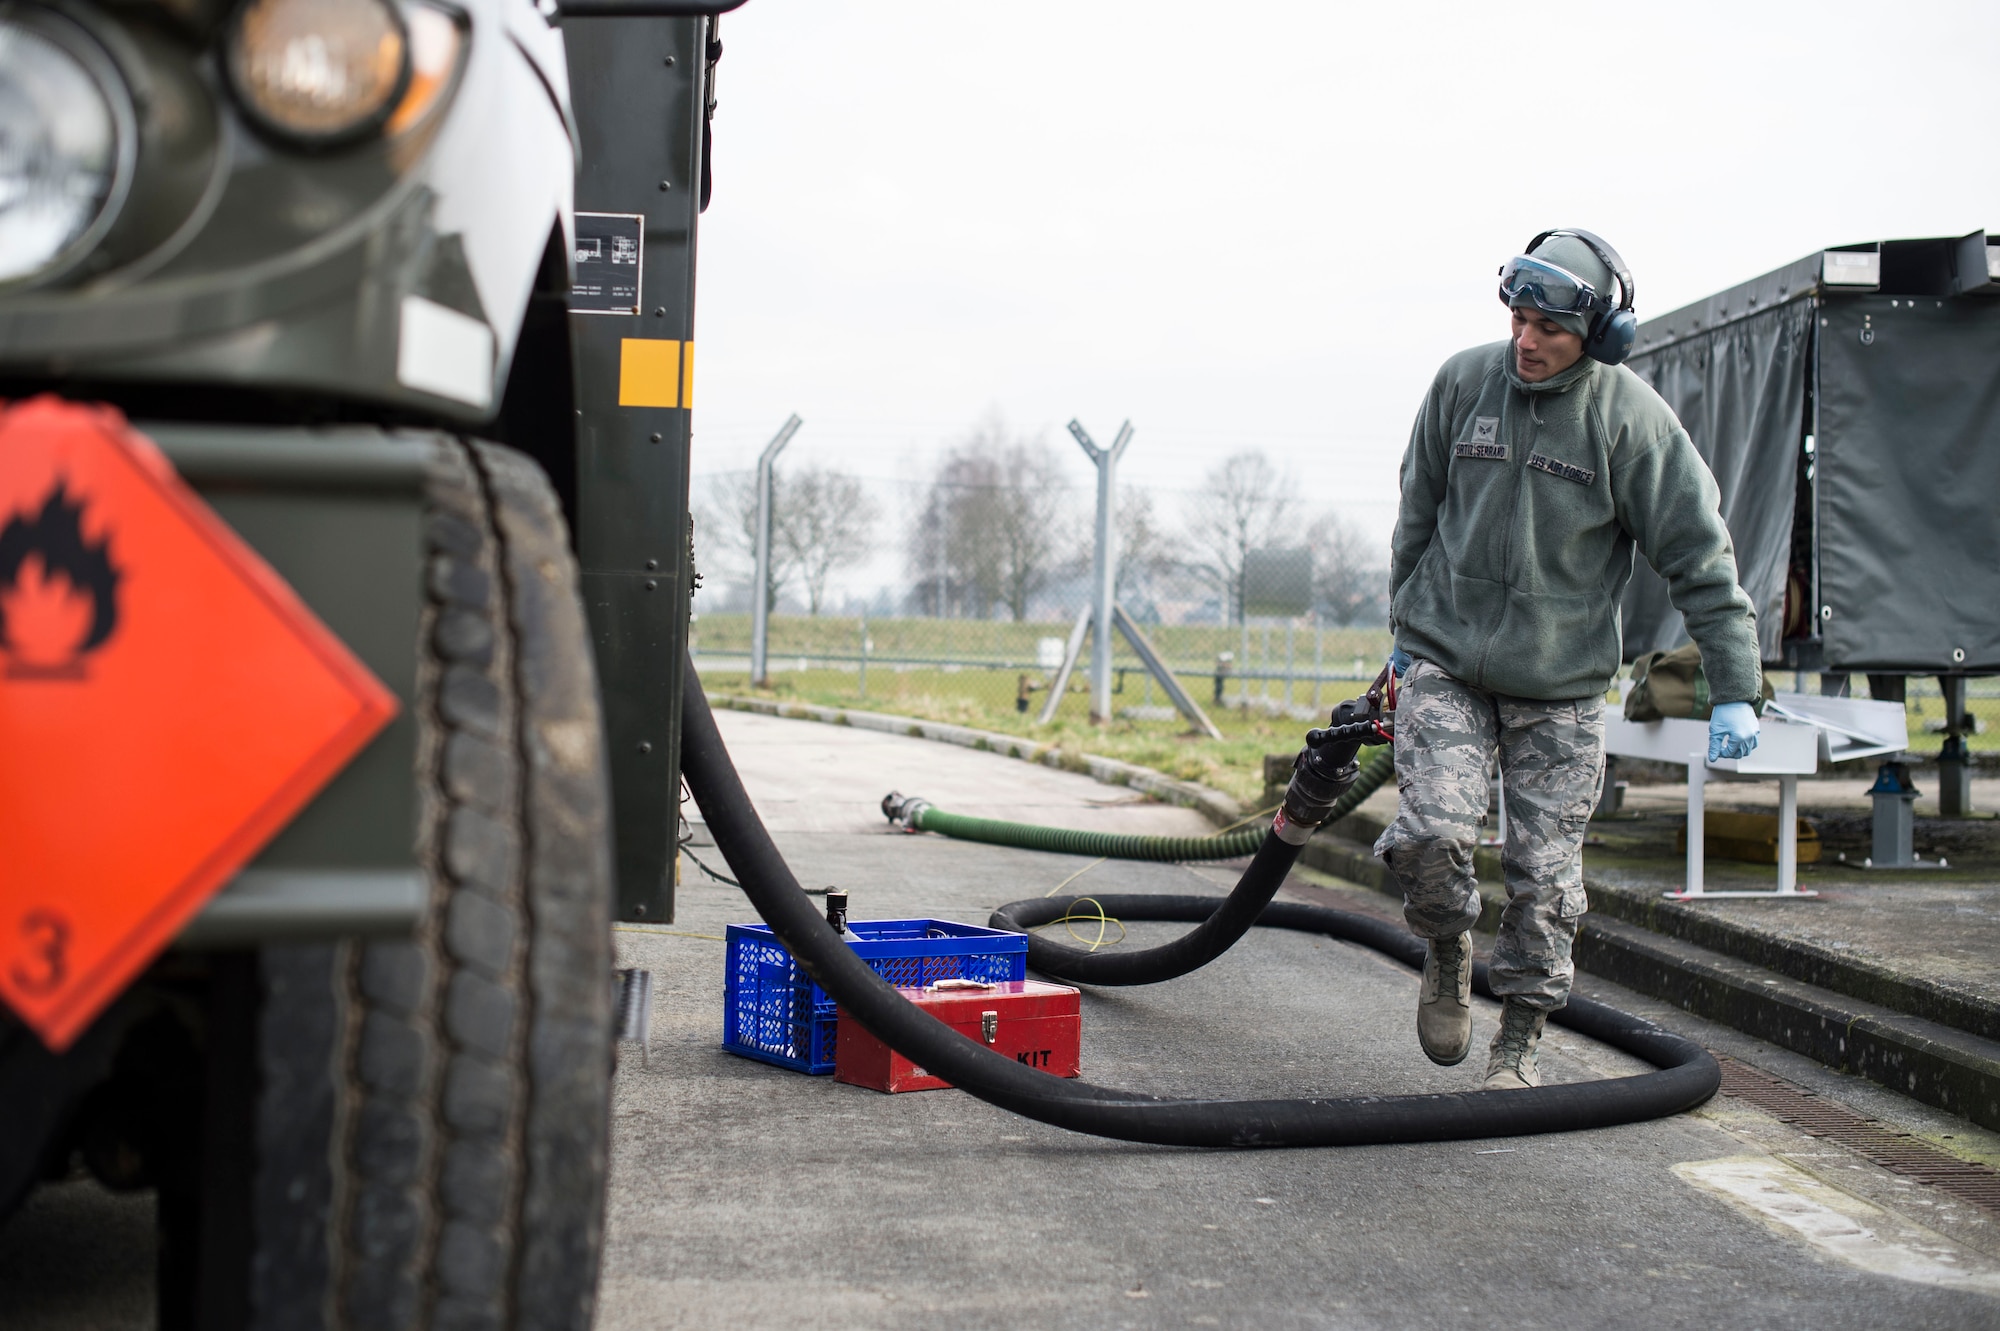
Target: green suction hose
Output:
[(919, 816)]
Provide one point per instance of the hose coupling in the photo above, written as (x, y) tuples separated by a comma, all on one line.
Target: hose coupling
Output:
[(903, 810), (1322, 772)]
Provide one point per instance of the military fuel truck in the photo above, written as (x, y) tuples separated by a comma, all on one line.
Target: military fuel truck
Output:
[(346, 363)]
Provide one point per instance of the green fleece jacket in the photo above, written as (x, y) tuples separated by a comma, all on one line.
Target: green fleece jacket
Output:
[(1522, 505)]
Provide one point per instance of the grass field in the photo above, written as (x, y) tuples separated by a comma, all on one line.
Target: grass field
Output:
[(1234, 765), (969, 672)]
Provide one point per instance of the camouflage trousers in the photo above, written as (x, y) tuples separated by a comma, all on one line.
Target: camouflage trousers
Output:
[(1551, 762)]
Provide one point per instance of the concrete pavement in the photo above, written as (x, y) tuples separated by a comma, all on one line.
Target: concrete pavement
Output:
[(809, 777), (747, 1196)]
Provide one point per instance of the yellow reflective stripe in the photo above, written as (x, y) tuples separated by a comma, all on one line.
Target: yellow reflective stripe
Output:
[(687, 374), (649, 372)]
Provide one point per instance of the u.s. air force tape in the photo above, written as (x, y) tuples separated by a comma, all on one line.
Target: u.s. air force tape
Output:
[(1581, 475)]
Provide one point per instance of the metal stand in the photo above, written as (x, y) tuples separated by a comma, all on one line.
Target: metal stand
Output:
[(1954, 763), (1148, 656), (1142, 647), (1104, 562), (1071, 651), (1105, 615), (1894, 823), (1697, 839)]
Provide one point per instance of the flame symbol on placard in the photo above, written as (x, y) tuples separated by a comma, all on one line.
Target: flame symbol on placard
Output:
[(58, 592)]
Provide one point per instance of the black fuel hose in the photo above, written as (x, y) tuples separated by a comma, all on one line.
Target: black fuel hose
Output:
[(1326, 780), (1229, 918), (1687, 1074)]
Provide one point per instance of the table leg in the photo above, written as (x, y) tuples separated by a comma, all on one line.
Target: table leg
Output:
[(1788, 834), (1697, 780)]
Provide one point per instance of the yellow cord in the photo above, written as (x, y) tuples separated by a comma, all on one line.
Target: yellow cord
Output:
[(1070, 919), (1078, 874)]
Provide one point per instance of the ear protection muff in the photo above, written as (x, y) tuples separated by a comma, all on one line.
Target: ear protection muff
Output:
[(1614, 328)]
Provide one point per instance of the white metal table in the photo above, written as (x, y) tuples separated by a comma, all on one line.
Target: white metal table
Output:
[(1799, 731)]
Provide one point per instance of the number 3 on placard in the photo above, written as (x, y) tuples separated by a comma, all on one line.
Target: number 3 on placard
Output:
[(47, 964)]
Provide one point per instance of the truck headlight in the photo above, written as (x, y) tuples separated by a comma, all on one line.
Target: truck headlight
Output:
[(318, 73), (67, 143)]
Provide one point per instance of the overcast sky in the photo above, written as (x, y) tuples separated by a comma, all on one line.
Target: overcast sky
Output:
[(1265, 224)]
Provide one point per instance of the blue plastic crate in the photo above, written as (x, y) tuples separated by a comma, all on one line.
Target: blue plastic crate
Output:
[(772, 1010)]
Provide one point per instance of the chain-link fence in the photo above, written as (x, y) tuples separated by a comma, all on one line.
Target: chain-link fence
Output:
[(960, 594)]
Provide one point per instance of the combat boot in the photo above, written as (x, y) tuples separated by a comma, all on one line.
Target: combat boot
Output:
[(1510, 1065), (1444, 1003)]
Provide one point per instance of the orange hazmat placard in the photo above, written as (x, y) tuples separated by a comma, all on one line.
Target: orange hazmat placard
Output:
[(167, 704)]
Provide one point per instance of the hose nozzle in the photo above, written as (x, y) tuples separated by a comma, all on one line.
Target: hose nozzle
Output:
[(902, 810), (1324, 769)]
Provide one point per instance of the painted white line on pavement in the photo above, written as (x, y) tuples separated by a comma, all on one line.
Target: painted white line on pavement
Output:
[(1840, 1225)]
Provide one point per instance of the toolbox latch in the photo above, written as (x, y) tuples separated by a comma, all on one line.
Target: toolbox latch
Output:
[(989, 1026)]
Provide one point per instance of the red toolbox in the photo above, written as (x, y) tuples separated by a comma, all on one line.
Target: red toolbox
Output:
[(1034, 1023)]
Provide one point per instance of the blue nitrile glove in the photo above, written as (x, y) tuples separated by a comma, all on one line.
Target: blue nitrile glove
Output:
[(1732, 730), (1399, 662)]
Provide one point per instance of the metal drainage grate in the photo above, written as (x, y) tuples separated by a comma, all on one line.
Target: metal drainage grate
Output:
[(1897, 1152)]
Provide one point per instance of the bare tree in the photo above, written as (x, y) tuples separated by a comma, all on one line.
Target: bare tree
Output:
[(991, 532), (925, 555), (728, 519), (820, 521), (949, 546), (1244, 505), (1350, 574), (1028, 522)]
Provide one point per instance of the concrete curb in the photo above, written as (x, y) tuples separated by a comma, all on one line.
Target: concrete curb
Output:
[(1213, 805), (1940, 1066), (1756, 983), (1797, 959)]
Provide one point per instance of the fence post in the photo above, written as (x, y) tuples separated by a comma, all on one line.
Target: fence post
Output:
[(760, 607), (1290, 657), (864, 653), (1243, 672), (1104, 563), (1319, 658)]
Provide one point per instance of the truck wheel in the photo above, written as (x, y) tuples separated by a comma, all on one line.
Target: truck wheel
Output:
[(431, 1124)]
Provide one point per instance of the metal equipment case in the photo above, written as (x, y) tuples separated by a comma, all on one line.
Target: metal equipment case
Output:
[(1039, 1025)]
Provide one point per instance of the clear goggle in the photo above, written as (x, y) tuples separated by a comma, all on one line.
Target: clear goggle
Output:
[(1552, 289)]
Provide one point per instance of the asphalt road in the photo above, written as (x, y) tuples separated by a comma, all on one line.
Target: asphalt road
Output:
[(744, 1196)]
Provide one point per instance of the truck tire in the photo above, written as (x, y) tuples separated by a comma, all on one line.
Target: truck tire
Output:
[(429, 1138)]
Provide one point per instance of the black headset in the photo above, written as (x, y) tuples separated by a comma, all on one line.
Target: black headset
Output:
[(1611, 333)]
